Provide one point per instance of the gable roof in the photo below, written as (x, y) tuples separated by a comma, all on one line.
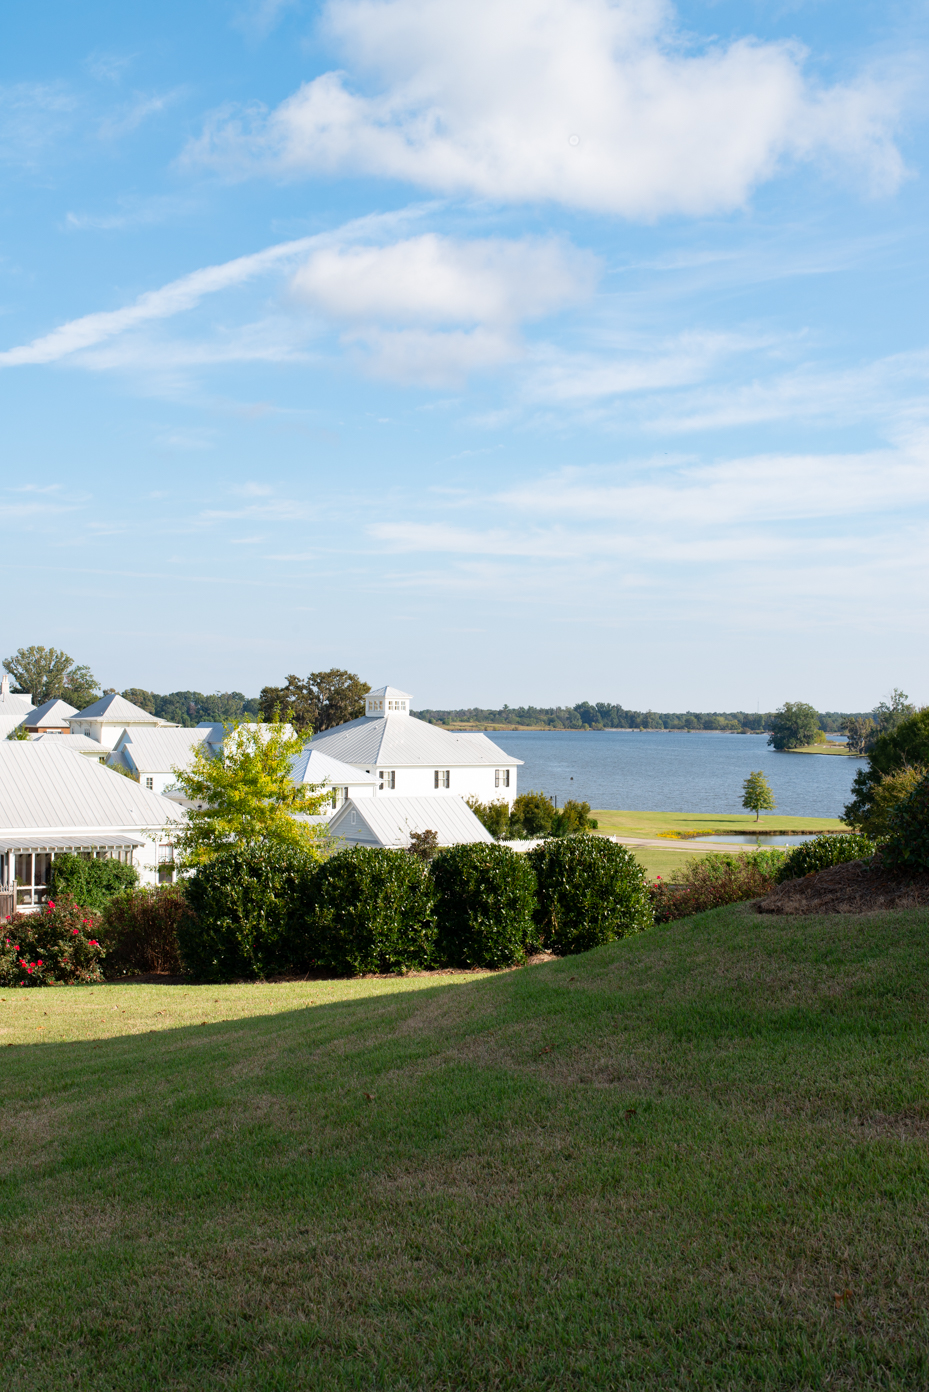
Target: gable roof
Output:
[(14, 707), (384, 740), (115, 710), (53, 712), (43, 786), (150, 749), (389, 820), (313, 766)]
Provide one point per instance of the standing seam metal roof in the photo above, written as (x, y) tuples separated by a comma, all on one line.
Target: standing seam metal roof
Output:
[(396, 741), (391, 820), (42, 786)]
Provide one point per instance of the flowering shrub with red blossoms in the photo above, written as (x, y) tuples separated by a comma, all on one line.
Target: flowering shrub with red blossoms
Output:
[(56, 946)]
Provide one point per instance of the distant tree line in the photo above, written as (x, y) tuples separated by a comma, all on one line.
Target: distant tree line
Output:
[(601, 715), (190, 707)]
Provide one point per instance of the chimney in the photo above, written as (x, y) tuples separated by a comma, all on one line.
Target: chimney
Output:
[(4, 686)]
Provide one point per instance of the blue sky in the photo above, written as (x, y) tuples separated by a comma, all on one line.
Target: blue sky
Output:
[(557, 350)]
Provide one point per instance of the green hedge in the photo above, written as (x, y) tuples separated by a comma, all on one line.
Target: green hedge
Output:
[(242, 906), (90, 883), (822, 852), (369, 910), (907, 846), (590, 891), (485, 901)]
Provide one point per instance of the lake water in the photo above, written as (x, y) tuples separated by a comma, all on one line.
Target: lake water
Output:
[(658, 771)]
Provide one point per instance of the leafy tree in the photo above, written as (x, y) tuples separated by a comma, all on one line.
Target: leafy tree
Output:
[(145, 700), (48, 673), (794, 725), (757, 796), (889, 714), (860, 730), (495, 816), (903, 747), (245, 796), (322, 701), (19, 732), (532, 815)]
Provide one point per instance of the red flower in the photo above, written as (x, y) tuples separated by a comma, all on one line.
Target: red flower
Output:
[(51, 903), (74, 932), (39, 963)]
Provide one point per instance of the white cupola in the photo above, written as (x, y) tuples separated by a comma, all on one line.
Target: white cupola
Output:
[(387, 700)]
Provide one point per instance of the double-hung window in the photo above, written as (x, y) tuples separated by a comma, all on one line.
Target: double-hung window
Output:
[(443, 778), (501, 778), (388, 778)]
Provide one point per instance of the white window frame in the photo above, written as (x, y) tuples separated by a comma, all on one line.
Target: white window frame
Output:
[(443, 778)]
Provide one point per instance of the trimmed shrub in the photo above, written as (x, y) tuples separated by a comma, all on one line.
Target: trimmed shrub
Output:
[(372, 911), (485, 902), (532, 815), (139, 929), (822, 852), (907, 846), (714, 880), (590, 891), (572, 818), (495, 816), (89, 882), (57, 946), (242, 905)]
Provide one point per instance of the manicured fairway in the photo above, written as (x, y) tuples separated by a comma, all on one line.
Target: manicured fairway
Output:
[(658, 823), (695, 1159)]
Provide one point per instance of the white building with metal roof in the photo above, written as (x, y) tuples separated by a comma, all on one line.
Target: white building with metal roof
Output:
[(14, 707), (389, 822), (51, 718), (344, 780), (152, 755), (51, 801), (106, 719), (411, 758)]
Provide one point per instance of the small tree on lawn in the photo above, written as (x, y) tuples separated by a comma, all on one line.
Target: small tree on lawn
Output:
[(757, 796), (246, 794)]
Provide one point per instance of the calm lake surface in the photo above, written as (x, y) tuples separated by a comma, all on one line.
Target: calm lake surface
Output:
[(675, 772)]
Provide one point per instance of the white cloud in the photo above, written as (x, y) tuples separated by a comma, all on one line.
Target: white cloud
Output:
[(597, 104), (441, 280)]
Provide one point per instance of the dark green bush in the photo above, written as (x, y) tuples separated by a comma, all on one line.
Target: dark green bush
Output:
[(485, 899), (822, 852), (590, 891), (907, 846), (495, 816), (572, 818), (532, 815), (139, 927), (242, 906), (372, 911), (714, 880), (89, 882), (57, 946)]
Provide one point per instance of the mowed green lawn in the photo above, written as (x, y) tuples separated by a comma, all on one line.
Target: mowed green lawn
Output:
[(695, 1159)]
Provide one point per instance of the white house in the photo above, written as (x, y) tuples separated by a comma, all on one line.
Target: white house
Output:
[(345, 780), (412, 759), (14, 707), (51, 801), (106, 719), (151, 754), (385, 821)]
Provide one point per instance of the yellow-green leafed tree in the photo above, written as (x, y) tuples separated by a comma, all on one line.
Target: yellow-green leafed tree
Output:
[(757, 796), (245, 794)]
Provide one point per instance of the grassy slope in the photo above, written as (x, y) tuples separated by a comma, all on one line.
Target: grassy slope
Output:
[(696, 1159)]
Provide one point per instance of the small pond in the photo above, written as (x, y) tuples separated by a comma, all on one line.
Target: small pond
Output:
[(758, 840)]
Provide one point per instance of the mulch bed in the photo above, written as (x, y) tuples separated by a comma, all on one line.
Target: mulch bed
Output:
[(857, 887)]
